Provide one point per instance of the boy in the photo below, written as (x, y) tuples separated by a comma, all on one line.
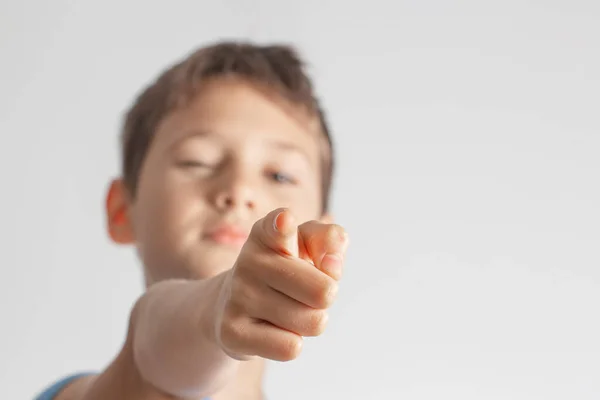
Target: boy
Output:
[(221, 156)]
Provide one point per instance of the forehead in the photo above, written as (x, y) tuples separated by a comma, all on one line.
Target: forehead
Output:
[(239, 113)]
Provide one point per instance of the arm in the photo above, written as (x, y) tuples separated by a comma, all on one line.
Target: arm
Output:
[(170, 351), (182, 333), (175, 346)]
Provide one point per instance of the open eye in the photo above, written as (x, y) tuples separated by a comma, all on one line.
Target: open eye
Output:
[(282, 178)]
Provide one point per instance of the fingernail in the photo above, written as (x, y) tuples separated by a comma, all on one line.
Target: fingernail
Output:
[(331, 264), (275, 221)]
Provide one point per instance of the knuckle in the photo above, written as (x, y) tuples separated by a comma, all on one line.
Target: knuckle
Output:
[(334, 234), (327, 294), (233, 332), (290, 348), (317, 323)]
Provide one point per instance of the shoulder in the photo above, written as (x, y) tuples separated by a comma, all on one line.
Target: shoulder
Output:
[(68, 388)]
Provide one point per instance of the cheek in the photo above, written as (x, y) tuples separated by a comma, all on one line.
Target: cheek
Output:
[(168, 215), (167, 227)]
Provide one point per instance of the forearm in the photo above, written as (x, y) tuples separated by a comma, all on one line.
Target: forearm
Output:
[(174, 347)]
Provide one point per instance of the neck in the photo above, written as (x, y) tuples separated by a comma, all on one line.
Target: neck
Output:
[(247, 383)]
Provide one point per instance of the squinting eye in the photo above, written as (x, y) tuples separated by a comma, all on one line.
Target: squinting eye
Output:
[(193, 164), (282, 178)]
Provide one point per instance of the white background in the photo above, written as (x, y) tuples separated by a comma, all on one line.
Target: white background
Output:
[(469, 144)]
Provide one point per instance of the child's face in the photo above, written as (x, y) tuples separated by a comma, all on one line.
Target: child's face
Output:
[(213, 169)]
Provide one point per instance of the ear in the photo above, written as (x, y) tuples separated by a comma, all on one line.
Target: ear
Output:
[(326, 219), (118, 219)]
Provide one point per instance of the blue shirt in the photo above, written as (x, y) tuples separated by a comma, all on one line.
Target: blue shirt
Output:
[(52, 391)]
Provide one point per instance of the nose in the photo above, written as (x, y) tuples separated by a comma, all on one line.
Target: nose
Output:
[(235, 191)]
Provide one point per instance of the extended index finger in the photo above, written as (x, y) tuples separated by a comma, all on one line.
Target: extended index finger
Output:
[(323, 244)]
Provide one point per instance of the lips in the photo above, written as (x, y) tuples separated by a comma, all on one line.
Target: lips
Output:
[(227, 234)]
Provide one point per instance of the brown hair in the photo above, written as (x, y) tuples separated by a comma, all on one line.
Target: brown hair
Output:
[(277, 67)]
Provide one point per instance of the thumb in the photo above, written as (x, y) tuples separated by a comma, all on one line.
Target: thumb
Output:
[(277, 231)]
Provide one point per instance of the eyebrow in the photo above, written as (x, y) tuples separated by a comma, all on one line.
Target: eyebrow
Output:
[(186, 135), (286, 146), (273, 143)]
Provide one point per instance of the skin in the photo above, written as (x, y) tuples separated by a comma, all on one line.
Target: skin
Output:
[(218, 305)]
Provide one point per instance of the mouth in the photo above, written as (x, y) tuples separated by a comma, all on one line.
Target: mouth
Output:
[(228, 235)]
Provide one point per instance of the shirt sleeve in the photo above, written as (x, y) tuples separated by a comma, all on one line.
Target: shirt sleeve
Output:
[(51, 392)]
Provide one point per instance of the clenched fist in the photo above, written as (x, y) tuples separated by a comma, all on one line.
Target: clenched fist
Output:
[(284, 280)]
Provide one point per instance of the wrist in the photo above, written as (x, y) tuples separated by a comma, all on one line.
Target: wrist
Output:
[(174, 346)]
